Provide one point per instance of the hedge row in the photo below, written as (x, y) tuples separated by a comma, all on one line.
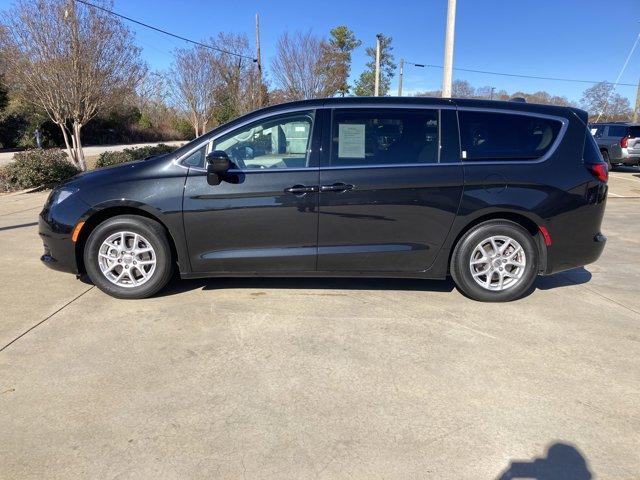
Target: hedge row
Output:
[(130, 154), (36, 168), (47, 168)]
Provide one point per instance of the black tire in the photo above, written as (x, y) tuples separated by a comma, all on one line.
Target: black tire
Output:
[(460, 261), (605, 157), (153, 232)]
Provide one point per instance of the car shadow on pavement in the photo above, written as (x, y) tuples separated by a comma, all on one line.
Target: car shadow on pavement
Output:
[(576, 276), (177, 286), (563, 462)]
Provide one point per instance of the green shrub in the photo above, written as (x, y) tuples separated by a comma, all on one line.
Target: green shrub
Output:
[(112, 158), (36, 168), (130, 154)]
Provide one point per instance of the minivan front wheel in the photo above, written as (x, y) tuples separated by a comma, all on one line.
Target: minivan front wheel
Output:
[(128, 257), (495, 261)]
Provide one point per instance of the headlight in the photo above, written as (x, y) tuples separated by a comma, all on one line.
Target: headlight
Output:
[(60, 195)]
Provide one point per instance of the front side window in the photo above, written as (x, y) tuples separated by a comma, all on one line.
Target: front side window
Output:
[(503, 136), (278, 142), (597, 130), (374, 137)]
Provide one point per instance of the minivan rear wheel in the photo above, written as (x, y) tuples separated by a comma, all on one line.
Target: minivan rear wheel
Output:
[(495, 261), (128, 256)]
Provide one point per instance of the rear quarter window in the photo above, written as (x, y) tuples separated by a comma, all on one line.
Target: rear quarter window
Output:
[(505, 136), (618, 131)]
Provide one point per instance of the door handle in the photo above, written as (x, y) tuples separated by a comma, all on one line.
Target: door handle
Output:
[(336, 187), (300, 190)]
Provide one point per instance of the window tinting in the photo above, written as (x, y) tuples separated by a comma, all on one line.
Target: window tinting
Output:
[(503, 136), (596, 130), (278, 142), (387, 137), (617, 131), (634, 132)]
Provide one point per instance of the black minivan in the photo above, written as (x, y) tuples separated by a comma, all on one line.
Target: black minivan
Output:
[(491, 193)]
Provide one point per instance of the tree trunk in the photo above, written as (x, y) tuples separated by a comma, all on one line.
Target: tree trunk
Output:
[(70, 150), (78, 143)]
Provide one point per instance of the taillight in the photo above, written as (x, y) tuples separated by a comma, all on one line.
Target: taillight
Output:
[(624, 141), (599, 170)]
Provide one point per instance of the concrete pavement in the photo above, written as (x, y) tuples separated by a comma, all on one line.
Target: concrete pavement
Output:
[(319, 378)]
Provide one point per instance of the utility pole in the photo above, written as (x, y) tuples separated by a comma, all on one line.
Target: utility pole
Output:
[(491, 94), (447, 75), (400, 78), (637, 107), (258, 60), (376, 91)]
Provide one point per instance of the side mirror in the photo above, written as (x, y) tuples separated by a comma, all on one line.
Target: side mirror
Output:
[(218, 164)]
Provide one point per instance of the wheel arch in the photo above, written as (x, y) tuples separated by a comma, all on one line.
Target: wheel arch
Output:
[(519, 219), (99, 216)]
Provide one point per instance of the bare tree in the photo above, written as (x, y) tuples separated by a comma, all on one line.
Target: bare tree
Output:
[(297, 67), (603, 103), (239, 89), (195, 78), (70, 60)]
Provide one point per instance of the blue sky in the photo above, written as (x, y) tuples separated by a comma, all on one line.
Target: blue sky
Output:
[(584, 39)]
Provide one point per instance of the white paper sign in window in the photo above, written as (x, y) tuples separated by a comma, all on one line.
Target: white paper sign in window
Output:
[(350, 140)]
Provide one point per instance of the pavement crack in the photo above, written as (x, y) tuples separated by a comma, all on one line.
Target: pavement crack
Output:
[(20, 211), (46, 318)]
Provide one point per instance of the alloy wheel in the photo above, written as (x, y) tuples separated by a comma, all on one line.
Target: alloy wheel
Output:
[(498, 263), (127, 259)]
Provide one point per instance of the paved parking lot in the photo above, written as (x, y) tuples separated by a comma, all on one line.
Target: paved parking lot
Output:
[(314, 378)]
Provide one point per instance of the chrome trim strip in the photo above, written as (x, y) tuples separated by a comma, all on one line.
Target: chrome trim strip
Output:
[(564, 121)]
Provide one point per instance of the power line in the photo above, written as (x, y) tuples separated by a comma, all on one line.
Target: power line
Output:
[(624, 67), (535, 77), (110, 12)]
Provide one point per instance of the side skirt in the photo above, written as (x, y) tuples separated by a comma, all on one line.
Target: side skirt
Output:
[(336, 274)]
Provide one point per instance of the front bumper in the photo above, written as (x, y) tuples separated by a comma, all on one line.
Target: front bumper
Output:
[(59, 251), (55, 226)]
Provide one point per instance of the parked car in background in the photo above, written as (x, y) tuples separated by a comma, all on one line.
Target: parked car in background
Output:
[(491, 193), (619, 142)]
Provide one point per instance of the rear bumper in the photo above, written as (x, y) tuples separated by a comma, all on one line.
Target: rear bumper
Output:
[(582, 253), (630, 161)]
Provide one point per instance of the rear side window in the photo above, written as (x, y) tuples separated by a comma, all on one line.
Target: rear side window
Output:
[(634, 132), (504, 136), (374, 137), (617, 131)]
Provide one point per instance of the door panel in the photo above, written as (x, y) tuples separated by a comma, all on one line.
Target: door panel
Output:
[(263, 216), (251, 224), (404, 190), (394, 219)]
